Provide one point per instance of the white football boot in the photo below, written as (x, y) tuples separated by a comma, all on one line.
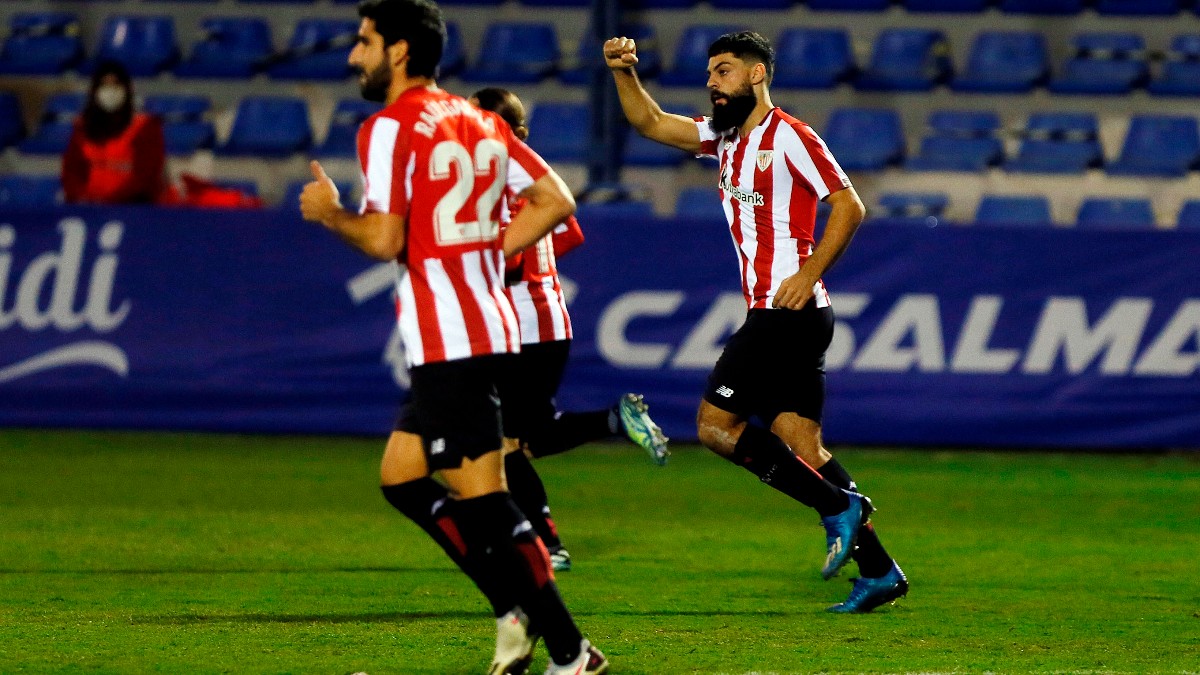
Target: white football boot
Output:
[(514, 644)]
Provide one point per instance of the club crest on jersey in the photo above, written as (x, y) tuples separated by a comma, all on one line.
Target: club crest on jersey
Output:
[(764, 159)]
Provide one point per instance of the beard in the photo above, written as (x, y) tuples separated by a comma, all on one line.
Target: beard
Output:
[(734, 112), (374, 84)]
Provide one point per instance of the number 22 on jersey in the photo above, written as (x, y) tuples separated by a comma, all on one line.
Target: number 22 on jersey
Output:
[(490, 156)]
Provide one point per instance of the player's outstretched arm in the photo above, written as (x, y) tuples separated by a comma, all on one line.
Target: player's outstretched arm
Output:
[(549, 203), (848, 212), (643, 113), (379, 235)]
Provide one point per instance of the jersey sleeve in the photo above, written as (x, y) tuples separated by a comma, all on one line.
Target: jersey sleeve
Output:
[(567, 236), (809, 158), (387, 167), (709, 140)]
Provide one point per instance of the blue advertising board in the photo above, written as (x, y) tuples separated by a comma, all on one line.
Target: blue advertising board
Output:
[(255, 321)]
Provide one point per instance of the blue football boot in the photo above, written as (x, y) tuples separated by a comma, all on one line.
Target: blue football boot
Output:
[(635, 420), (868, 594), (841, 531)]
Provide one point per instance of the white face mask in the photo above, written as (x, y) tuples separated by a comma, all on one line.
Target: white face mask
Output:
[(110, 97)]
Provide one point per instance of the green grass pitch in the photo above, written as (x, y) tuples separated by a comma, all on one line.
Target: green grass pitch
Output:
[(192, 553)]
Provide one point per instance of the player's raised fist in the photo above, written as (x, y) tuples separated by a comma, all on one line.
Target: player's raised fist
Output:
[(620, 53)]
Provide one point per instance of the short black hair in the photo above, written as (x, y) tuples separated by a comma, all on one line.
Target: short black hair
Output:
[(748, 46), (500, 101), (417, 22)]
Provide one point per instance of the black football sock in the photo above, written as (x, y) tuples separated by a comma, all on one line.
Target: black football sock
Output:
[(426, 503), (493, 525), (873, 561), (765, 455), (529, 493), (570, 430), (835, 473)]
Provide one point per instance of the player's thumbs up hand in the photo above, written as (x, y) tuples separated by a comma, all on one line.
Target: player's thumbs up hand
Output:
[(620, 53), (319, 199)]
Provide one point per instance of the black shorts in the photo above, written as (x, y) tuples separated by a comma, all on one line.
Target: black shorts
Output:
[(455, 409), (528, 386), (774, 363)]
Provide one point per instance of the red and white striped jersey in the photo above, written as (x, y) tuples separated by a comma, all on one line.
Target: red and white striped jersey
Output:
[(535, 290), (771, 181), (443, 165)]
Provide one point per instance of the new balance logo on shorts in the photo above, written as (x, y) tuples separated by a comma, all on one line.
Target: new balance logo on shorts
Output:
[(438, 446), (724, 391)]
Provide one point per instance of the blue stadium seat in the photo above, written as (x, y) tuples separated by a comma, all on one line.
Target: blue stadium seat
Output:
[(641, 151), (961, 141), (454, 54), (1189, 215), (317, 50), (690, 65), (559, 131), (1004, 62), (1180, 74), (849, 5), (41, 43), (235, 47), (907, 59), (145, 45), (1158, 146), (812, 58), (1020, 210), (865, 139), (1122, 213), (590, 55), (914, 208), (184, 128), (30, 192), (699, 202), (291, 194), (269, 126), (1104, 63), (1059, 143), (946, 5), (343, 128), (54, 131), (1060, 7), (12, 123), (516, 52), (1139, 7)]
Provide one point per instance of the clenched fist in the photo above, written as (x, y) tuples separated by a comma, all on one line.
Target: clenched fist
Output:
[(620, 53)]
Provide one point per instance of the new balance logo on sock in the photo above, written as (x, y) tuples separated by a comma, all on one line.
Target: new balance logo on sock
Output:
[(724, 391)]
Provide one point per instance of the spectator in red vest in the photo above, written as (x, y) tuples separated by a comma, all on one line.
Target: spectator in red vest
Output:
[(115, 156)]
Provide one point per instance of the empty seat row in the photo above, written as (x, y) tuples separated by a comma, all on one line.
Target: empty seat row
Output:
[(48, 43), (902, 59), (866, 139), (863, 139), (1032, 211)]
